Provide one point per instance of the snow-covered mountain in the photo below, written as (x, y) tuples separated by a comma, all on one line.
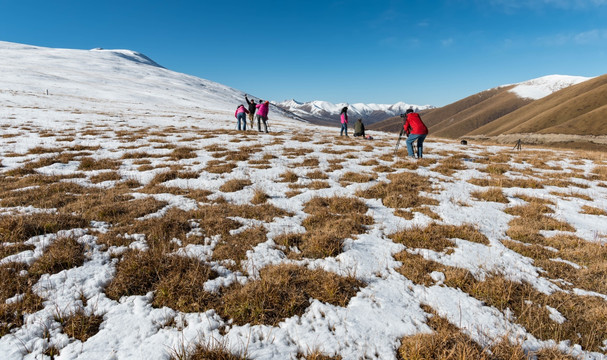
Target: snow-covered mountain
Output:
[(538, 88), (123, 79), (326, 112)]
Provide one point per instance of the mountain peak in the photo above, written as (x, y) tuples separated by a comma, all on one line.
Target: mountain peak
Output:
[(538, 88)]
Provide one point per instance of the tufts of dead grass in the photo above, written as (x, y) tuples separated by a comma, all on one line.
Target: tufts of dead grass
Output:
[(47, 196), (81, 326), (15, 228), (591, 210), (114, 206), (88, 164), (436, 237), (219, 167), (176, 280), (357, 177), (235, 247), (284, 291), (493, 194), (402, 191), (259, 197), (62, 254), (235, 185), (448, 166), (213, 350), (449, 342), (331, 221), (105, 176), (289, 176)]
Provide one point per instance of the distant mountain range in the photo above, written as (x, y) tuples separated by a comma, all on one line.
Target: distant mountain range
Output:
[(551, 109), (326, 113)]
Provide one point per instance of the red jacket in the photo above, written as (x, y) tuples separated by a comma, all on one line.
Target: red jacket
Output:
[(416, 125)]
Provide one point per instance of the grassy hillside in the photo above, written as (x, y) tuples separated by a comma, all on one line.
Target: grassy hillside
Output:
[(464, 116), (580, 109)]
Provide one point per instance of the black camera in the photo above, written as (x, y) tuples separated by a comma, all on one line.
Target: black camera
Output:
[(402, 115)]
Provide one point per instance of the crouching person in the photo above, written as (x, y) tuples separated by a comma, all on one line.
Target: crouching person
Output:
[(359, 128)]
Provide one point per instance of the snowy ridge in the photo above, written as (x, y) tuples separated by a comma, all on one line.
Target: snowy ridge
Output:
[(327, 111), (116, 76), (543, 86)]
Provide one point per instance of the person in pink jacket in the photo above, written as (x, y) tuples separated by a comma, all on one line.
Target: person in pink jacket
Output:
[(344, 121), (262, 115), (241, 115)]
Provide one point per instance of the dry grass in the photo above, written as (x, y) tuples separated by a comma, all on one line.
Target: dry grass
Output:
[(497, 169), (289, 176), (235, 247), (437, 237), (591, 210), (447, 342), (259, 196), (47, 196), (105, 176), (591, 257), (284, 291), (450, 165), (235, 185), (402, 191), (505, 182), (570, 194), (493, 194), (114, 206), (219, 167), (317, 175), (20, 228), (81, 326), (357, 177), (11, 249), (331, 221), (585, 316), (88, 164), (62, 254), (212, 350), (177, 281), (530, 220)]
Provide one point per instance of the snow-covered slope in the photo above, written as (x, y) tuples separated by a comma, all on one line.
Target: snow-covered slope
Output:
[(326, 111), (543, 86), (122, 79)]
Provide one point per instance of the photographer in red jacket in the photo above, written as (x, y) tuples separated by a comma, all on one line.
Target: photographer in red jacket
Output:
[(415, 130)]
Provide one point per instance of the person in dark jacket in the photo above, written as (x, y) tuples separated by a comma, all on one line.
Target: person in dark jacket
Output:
[(252, 110), (359, 128), (416, 130)]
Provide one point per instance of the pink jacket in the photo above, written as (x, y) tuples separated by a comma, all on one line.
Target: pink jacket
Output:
[(263, 109), (344, 118), (241, 109)]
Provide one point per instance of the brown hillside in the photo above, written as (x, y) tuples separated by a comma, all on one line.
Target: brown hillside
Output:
[(579, 109), (502, 103), (463, 116)]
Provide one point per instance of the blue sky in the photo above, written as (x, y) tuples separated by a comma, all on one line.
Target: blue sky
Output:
[(419, 52)]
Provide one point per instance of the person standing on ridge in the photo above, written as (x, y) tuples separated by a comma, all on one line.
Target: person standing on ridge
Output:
[(241, 115), (252, 110), (415, 129), (344, 121), (359, 128), (262, 115)]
